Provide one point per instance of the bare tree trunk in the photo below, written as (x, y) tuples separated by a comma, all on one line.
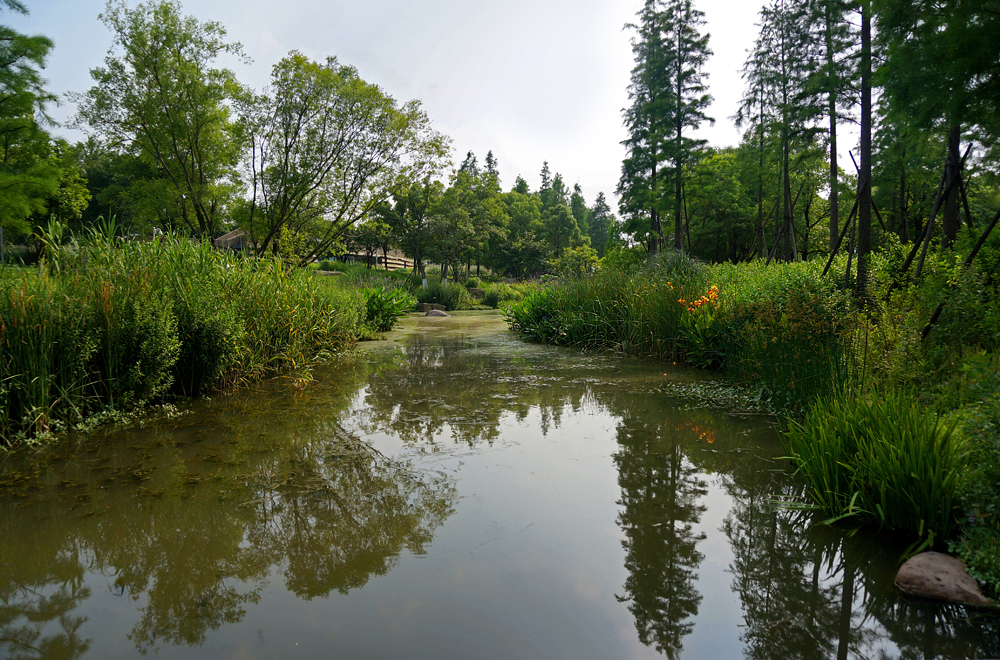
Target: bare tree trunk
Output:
[(761, 239), (654, 217), (904, 221), (865, 175), (951, 221), (786, 184)]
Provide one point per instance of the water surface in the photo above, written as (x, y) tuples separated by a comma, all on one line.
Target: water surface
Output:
[(450, 492)]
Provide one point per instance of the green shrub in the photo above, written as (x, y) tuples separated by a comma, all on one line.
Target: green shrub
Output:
[(979, 494), (384, 306), (329, 265), (472, 283), (630, 312), (574, 261), (884, 462), (626, 259), (452, 296), (497, 294), (678, 266)]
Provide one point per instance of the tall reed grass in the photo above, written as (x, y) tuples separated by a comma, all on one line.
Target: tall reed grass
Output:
[(781, 329), (884, 462), (121, 324)]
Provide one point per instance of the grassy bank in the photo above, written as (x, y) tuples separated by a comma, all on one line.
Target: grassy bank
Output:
[(891, 430), (110, 325)]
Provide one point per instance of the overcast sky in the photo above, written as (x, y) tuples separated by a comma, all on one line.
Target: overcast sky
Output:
[(533, 80)]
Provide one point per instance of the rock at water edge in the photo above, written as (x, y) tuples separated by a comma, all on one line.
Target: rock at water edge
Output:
[(936, 575)]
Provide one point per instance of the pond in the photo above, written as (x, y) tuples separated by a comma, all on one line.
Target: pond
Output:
[(450, 492)]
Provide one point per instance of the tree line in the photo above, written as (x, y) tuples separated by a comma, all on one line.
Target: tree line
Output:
[(919, 79), (318, 163)]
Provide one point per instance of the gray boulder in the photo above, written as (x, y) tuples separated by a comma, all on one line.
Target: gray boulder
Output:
[(436, 312), (936, 575)]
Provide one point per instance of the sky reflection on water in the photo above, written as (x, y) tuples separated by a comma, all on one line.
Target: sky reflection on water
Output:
[(448, 493)]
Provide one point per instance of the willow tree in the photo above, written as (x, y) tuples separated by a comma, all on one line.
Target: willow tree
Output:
[(324, 148), (159, 96)]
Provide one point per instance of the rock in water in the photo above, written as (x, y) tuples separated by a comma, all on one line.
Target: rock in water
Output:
[(935, 575), (436, 312)]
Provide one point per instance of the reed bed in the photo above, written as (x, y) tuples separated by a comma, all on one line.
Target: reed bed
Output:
[(781, 330), (122, 324), (882, 461)]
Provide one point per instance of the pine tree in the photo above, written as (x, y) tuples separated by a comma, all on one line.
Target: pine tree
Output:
[(830, 81), (940, 70), (668, 96), (686, 106), (775, 101), (601, 222)]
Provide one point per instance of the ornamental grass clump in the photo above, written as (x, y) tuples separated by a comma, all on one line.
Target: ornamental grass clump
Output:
[(884, 463)]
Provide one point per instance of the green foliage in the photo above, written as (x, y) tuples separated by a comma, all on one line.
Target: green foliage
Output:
[(30, 172), (126, 323), (327, 147), (783, 329), (158, 96), (676, 265), (500, 293), (472, 283), (633, 313), (574, 261), (780, 329), (384, 306), (623, 258), (452, 296), (884, 462), (979, 493)]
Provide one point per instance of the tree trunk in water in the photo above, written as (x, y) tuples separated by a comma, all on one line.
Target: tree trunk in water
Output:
[(865, 175), (951, 221), (846, 608)]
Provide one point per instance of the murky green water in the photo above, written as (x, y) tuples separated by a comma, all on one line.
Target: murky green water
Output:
[(448, 493)]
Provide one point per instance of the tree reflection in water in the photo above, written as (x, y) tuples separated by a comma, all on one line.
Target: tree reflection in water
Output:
[(812, 591), (190, 518), (191, 528), (660, 493)]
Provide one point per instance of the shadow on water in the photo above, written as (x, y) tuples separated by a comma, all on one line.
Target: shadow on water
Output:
[(192, 522)]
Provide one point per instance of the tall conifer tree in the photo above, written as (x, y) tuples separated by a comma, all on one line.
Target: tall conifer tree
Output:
[(668, 96)]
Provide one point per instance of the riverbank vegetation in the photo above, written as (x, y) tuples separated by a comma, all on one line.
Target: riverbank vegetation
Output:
[(861, 305), (109, 325), (843, 299)]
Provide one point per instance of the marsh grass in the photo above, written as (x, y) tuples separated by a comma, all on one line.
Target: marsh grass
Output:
[(121, 324), (882, 462), (780, 329)]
